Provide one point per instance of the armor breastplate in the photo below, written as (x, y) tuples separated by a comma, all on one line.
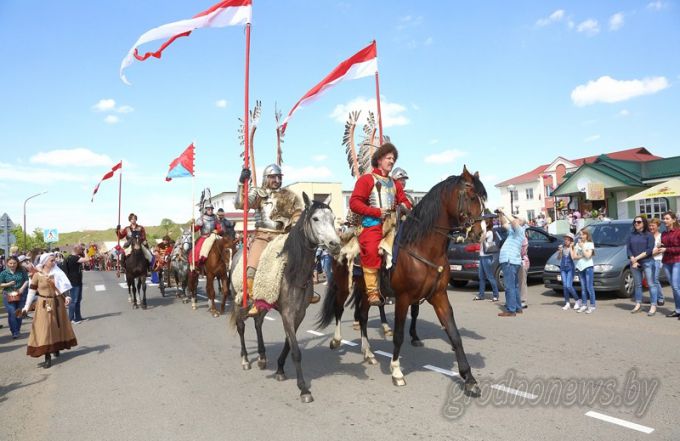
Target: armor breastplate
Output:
[(387, 196), (267, 205), (132, 233), (208, 224)]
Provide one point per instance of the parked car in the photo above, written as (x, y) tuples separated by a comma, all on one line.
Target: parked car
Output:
[(464, 257), (611, 265)]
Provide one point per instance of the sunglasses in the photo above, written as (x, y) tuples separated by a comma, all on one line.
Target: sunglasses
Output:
[(638, 222)]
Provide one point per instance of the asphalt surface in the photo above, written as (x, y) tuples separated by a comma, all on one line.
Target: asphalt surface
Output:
[(170, 373)]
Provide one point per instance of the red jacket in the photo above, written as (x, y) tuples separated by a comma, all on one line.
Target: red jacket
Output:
[(122, 234), (358, 202), (671, 241)]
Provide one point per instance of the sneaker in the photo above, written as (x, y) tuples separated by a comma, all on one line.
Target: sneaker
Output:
[(590, 310), (577, 305), (581, 309), (660, 302), (524, 305), (76, 322), (566, 307)]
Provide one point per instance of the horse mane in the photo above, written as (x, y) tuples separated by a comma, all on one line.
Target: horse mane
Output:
[(427, 211), (297, 248)]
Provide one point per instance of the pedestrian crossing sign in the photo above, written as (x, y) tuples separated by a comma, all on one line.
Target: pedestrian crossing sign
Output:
[(51, 235)]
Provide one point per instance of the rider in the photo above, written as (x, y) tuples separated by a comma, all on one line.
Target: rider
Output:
[(164, 250), (278, 210), (210, 229), (375, 197), (133, 230), (399, 175), (227, 225)]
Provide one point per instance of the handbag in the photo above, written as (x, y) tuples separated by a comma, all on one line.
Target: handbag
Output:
[(14, 296), (490, 249)]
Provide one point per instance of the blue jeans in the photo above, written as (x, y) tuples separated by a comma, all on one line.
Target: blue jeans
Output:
[(512, 300), (486, 273), (568, 284), (646, 267), (657, 271), (326, 262), (12, 308), (587, 287), (76, 294), (673, 275)]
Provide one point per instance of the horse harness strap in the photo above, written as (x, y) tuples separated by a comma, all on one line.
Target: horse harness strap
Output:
[(439, 268)]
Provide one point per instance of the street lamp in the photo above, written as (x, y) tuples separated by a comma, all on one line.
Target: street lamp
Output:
[(511, 189), (27, 199)]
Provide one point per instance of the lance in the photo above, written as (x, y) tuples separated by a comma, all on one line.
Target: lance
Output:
[(246, 162)]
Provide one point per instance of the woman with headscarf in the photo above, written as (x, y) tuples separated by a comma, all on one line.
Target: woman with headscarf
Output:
[(51, 330)]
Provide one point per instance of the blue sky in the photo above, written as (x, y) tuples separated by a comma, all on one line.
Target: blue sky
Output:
[(499, 86)]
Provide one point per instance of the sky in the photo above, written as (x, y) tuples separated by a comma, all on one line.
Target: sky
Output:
[(500, 87)]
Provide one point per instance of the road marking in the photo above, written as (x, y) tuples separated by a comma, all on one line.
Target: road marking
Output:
[(441, 371), (620, 422), (384, 354), (510, 390), (349, 343), (123, 285), (100, 288), (317, 333)]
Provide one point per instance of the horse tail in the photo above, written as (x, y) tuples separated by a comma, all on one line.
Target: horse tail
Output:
[(354, 301), (327, 314)]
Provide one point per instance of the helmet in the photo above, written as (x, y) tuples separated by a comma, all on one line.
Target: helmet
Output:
[(271, 170), (208, 205), (399, 173)]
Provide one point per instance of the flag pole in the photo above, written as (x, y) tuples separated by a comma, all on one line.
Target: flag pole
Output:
[(246, 161), (120, 192), (193, 204), (377, 96)]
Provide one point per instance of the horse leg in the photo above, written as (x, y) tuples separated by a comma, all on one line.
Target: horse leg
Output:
[(400, 310), (142, 288), (415, 340), (280, 374), (127, 280), (290, 326), (442, 307), (225, 292), (357, 318), (241, 328), (134, 294), (262, 356), (387, 331), (363, 323), (161, 283), (210, 288)]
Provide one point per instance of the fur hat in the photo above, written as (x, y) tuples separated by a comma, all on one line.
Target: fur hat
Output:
[(383, 150)]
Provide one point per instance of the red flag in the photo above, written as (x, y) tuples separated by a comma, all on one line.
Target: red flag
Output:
[(108, 175), (183, 165), (362, 64)]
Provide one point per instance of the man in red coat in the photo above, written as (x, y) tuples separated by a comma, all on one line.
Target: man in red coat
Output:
[(375, 196)]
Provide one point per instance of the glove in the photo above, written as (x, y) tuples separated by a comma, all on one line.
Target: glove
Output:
[(118, 227), (245, 175)]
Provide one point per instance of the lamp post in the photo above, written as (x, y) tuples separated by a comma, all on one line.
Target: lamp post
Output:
[(511, 189), (27, 199)]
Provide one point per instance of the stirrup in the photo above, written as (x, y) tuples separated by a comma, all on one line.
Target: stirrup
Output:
[(375, 299), (253, 311), (314, 299)]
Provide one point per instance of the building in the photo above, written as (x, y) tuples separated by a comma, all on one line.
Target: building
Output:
[(531, 193)]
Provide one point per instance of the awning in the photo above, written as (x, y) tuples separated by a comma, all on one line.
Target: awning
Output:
[(668, 189)]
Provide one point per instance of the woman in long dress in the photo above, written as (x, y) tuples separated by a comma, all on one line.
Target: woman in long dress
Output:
[(51, 330)]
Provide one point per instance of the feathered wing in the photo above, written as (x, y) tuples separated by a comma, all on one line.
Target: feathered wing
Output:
[(279, 136), (367, 145), (348, 142)]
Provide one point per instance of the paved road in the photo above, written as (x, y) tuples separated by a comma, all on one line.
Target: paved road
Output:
[(170, 373)]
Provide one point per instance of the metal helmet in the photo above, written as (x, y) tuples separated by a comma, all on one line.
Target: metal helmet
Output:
[(399, 173), (271, 169), (208, 205)]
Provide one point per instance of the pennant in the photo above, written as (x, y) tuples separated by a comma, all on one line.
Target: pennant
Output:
[(222, 14), (183, 165), (108, 175), (362, 64)]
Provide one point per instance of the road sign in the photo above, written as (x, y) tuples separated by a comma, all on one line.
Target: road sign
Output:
[(6, 222), (6, 237), (51, 235)]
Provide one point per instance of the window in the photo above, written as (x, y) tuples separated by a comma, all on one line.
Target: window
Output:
[(530, 215), (536, 236), (530, 193), (548, 190), (653, 207), (514, 194)]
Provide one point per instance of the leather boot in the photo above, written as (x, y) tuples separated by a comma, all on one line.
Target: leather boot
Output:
[(372, 291), (253, 310)]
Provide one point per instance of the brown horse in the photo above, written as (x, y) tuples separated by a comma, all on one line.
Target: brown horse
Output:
[(421, 272), (216, 266)]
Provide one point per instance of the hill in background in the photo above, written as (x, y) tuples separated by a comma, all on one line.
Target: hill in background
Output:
[(66, 240)]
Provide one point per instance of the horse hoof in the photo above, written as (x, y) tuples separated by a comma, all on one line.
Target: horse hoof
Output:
[(389, 333), (417, 343), (371, 360), (399, 381), (215, 314), (245, 366), (262, 364), (193, 307), (281, 377), (472, 390), (306, 398), (143, 306), (356, 326), (129, 300), (185, 300), (335, 343)]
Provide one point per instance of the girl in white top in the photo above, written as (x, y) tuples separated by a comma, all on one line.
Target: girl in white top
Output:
[(582, 254), (658, 255)]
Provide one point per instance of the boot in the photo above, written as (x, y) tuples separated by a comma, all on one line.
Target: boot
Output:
[(372, 291), (314, 298), (48, 361), (249, 286)]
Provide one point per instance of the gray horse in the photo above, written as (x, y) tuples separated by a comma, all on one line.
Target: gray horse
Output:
[(179, 263), (316, 227)]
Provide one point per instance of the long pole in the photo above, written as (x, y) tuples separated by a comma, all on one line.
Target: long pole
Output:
[(28, 199), (377, 99), (120, 198), (193, 221), (246, 160)]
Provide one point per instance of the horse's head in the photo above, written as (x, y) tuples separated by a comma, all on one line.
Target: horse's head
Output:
[(136, 241), (320, 224), (185, 241), (469, 203)]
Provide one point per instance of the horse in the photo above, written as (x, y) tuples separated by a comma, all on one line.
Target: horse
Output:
[(136, 269), (314, 228), (216, 266), (421, 272), (179, 263)]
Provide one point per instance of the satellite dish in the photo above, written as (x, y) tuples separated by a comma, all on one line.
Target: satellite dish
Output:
[(582, 184)]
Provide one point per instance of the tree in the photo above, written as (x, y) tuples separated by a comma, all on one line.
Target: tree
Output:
[(167, 225), (35, 240)]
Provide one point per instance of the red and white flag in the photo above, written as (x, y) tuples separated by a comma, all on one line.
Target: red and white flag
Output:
[(108, 175), (224, 13), (362, 64)]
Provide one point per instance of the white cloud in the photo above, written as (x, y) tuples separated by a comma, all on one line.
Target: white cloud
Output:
[(125, 109), (608, 90), (589, 27), (409, 21), (657, 5), (305, 174), (392, 113), (616, 21), (623, 113), (222, 104), (592, 138), (78, 157), (104, 105), (319, 158), (445, 157), (429, 41), (13, 173), (556, 16), (111, 119)]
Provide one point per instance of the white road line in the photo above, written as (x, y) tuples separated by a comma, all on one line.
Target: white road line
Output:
[(100, 288), (317, 333), (620, 422), (510, 390), (349, 343), (266, 317), (123, 285), (441, 371), (384, 354)]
